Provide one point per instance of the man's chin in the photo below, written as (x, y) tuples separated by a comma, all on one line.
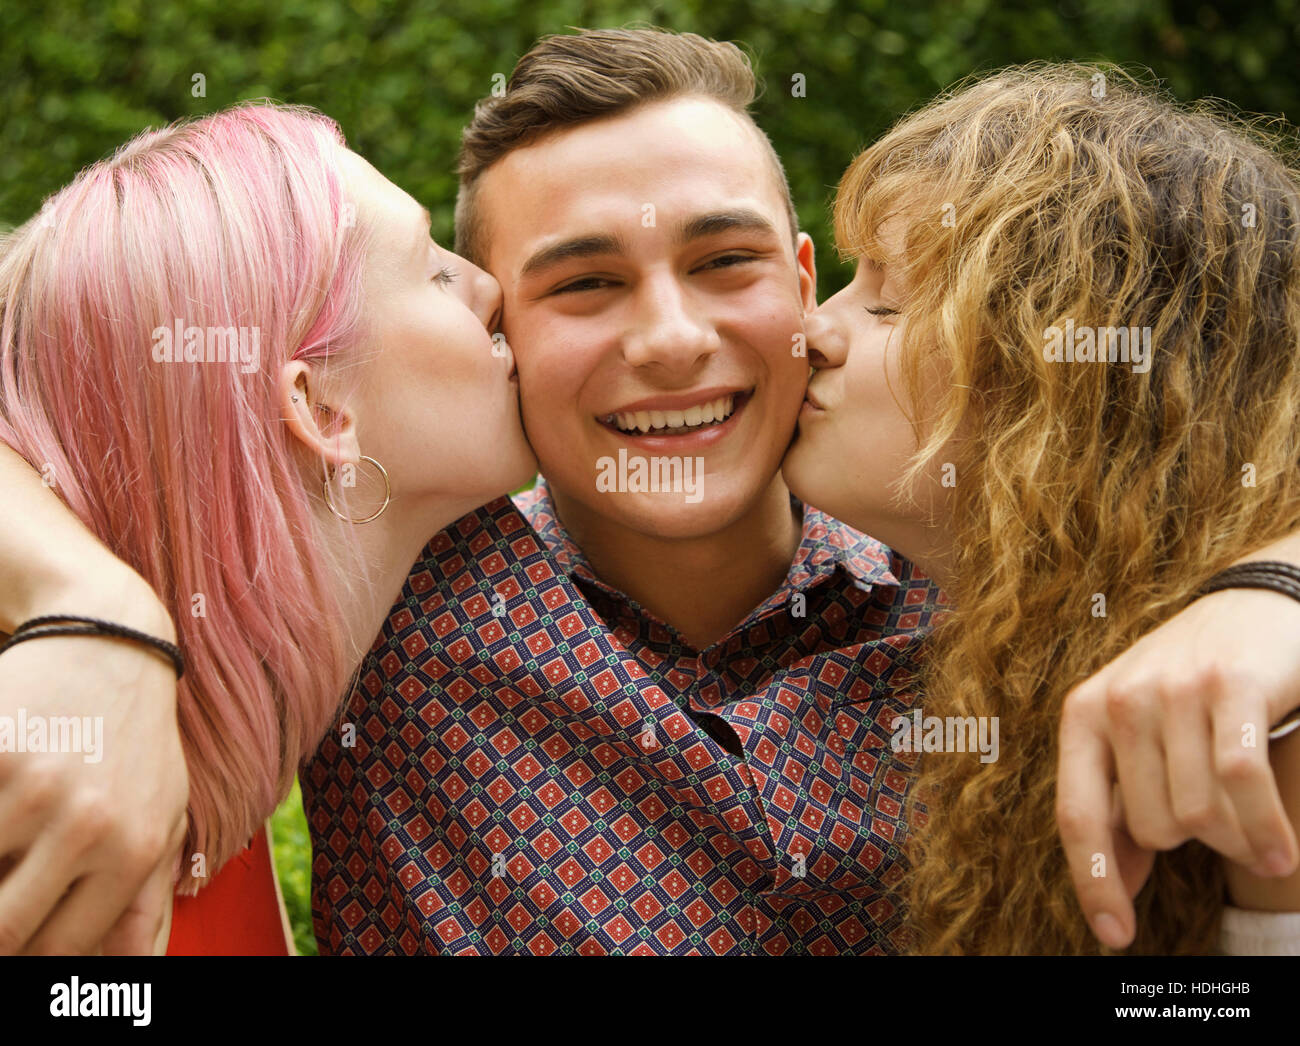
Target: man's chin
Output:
[(673, 517), (692, 511)]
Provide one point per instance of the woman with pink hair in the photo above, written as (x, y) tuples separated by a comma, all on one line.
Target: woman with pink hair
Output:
[(236, 354)]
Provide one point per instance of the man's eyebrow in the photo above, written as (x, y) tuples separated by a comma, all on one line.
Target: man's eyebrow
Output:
[(692, 229), (566, 250), (739, 219)]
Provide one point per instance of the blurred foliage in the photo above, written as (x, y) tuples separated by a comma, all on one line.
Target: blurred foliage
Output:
[(79, 77), (291, 846)]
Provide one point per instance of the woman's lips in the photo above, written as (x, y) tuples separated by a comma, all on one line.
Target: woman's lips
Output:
[(810, 400)]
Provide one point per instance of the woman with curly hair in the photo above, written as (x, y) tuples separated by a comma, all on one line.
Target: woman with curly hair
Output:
[(1073, 397)]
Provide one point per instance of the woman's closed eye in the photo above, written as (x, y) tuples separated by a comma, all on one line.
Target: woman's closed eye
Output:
[(880, 310), (446, 276)]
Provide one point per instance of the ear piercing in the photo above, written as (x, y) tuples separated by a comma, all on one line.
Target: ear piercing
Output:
[(388, 495)]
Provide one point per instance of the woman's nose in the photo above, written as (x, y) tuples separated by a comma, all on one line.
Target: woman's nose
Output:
[(826, 344), (485, 296)]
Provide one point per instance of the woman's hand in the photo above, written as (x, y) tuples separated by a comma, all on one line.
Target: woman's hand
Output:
[(91, 837), (1273, 894), (88, 841), (1156, 749)]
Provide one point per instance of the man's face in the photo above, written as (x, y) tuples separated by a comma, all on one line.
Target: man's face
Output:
[(650, 283)]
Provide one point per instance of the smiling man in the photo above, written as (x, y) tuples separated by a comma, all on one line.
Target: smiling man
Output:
[(673, 737), (652, 271)]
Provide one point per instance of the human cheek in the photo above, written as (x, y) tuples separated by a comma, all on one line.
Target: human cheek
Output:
[(460, 344), (867, 400), (532, 343), (782, 350), (547, 380)]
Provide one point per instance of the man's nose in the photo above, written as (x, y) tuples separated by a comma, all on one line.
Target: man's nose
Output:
[(668, 330)]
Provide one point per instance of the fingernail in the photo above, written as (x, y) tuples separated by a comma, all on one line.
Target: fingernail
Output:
[(1108, 930), (1276, 862)]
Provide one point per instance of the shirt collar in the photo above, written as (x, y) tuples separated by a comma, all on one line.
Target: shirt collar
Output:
[(825, 547)]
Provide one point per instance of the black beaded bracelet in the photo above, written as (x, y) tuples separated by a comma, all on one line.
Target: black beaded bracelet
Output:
[(1276, 566), (1273, 575), (72, 625)]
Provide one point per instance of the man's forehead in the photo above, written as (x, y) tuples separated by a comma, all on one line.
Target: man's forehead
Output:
[(669, 161), (699, 125)]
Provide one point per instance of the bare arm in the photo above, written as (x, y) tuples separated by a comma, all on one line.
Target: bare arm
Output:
[(1162, 726), (88, 840)]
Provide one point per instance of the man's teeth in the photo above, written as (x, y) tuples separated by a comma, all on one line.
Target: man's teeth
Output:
[(692, 417)]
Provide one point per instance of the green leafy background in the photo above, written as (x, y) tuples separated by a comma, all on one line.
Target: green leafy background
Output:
[(79, 77)]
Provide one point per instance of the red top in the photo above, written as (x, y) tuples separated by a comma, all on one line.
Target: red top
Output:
[(237, 913)]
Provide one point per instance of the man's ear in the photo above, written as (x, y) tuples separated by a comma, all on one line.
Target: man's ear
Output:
[(327, 430), (805, 256)]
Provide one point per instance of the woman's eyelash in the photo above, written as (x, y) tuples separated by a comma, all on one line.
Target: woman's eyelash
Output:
[(446, 275), (881, 310)]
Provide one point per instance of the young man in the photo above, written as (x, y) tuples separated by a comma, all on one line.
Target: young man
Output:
[(663, 745), (702, 769)]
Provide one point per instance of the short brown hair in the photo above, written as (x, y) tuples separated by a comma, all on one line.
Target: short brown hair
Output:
[(567, 80)]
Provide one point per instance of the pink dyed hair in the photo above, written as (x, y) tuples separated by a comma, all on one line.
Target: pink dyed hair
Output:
[(185, 471)]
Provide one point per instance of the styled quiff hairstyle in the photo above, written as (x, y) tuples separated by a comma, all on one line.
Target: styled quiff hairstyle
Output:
[(1036, 196), (573, 79)]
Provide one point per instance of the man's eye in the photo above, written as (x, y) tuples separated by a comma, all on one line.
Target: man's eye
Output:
[(587, 283), (881, 310), (727, 261), (446, 276)]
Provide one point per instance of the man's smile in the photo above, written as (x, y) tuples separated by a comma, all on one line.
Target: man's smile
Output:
[(676, 415), (702, 418)]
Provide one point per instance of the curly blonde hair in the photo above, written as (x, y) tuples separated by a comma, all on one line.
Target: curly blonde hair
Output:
[(1039, 195)]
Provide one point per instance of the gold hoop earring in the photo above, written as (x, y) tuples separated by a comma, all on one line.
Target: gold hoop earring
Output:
[(388, 495)]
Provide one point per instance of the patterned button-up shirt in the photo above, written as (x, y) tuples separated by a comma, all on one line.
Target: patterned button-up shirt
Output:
[(531, 762)]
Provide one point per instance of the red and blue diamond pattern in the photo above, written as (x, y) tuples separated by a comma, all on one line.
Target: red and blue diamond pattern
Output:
[(538, 773)]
